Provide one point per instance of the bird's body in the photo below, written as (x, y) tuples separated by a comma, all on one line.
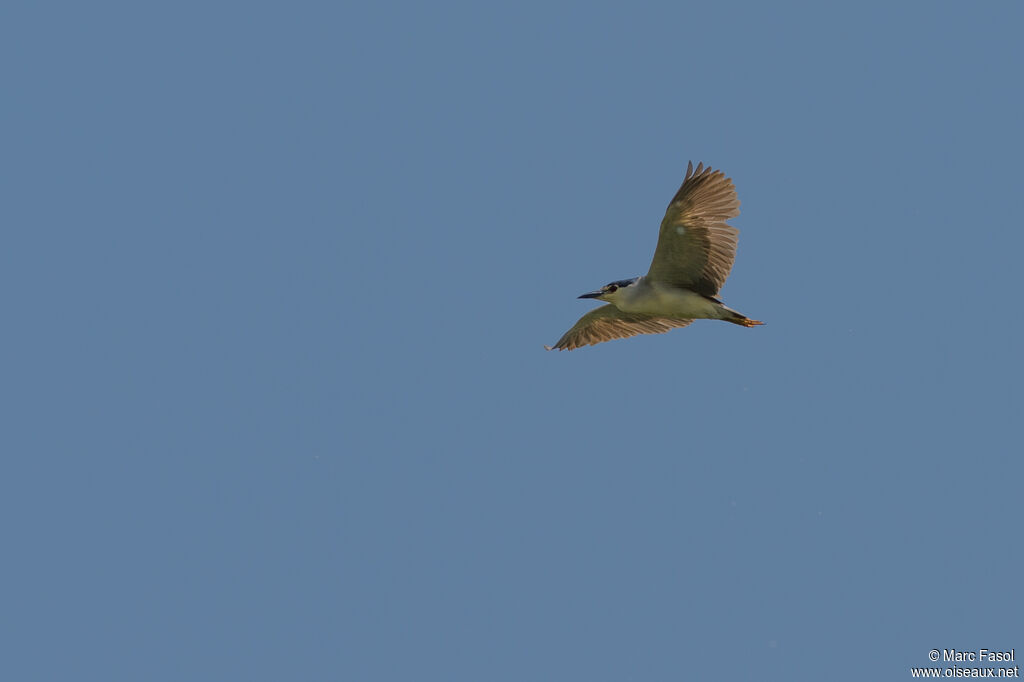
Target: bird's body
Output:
[(657, 298), (695, 252)]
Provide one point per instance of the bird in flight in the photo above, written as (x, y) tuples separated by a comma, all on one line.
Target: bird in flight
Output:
[(696, 248)]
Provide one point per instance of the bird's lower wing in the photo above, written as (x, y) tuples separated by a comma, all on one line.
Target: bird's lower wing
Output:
[(608, 322)]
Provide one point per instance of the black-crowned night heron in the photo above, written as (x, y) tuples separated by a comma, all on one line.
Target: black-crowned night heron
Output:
[(696, 248)]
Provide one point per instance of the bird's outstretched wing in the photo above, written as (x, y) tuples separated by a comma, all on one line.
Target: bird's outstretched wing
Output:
[(696, 247), (608, 322)]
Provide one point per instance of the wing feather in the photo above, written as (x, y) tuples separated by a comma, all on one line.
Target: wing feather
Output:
[(608, 322), (696, 246)]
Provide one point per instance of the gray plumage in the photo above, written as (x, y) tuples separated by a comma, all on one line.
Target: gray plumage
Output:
[(695, 252)]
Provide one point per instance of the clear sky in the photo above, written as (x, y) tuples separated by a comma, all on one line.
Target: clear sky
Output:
[(275, 283)]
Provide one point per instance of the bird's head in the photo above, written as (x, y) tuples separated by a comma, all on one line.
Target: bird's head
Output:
[(611, 292)]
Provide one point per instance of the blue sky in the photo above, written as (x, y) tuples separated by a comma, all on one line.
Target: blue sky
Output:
[(276, 281)]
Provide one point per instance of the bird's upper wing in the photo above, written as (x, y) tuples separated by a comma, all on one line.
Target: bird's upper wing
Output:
[(696, 247), (608, 322)]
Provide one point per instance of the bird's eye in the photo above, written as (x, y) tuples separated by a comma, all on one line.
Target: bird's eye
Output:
[(611, 288)]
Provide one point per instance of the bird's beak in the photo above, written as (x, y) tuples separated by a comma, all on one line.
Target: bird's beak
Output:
[(592, 294)]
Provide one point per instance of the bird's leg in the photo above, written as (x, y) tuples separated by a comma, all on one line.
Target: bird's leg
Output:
[(744, 321)]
